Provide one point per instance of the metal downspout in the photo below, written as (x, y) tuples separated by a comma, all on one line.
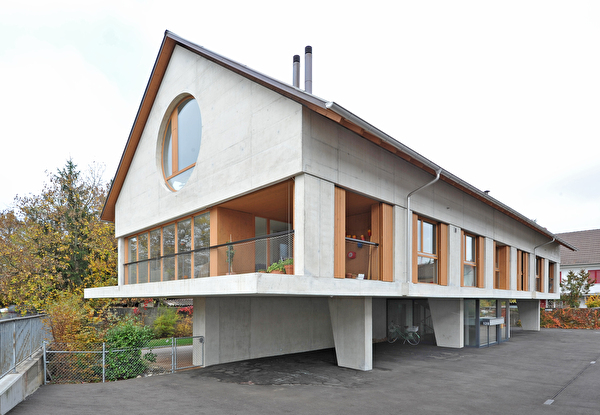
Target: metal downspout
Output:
[(409, 223)]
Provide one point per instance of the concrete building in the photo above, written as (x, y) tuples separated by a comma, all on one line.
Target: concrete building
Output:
[(228, 173), (586, 257)]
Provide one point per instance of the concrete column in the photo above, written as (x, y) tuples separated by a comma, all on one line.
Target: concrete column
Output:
[(400, 260), (205, 323), (448, 317), (455, 268), (314, 225), (513, 269), (352, 325), (529, 314)]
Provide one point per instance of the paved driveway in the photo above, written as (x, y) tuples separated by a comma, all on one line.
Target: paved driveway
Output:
[(547, 372)]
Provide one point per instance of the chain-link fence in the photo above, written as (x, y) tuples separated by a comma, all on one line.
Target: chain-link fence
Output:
[(20, 338), (96, 362)]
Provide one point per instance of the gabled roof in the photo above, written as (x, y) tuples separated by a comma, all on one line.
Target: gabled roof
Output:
[(588, 245), (328, 109)]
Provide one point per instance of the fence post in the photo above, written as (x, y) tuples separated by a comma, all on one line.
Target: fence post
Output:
[(173, 355), (103, 362), (14, 353), (45, 362)]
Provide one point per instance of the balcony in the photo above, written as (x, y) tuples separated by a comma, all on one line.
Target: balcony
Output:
[(269, 253)]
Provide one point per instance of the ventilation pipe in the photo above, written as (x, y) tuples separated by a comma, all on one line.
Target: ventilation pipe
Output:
[(308, 69), (296, 75)]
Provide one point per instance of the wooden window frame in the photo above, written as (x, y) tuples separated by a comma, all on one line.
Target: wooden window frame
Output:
[(522, 270), (173, 122), (539, 274), (441, 255), (479, 259), (501, 266), (128, 262), (551, 277)]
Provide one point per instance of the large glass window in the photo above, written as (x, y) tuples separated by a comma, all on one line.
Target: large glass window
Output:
[(170, 252), (181, 143)]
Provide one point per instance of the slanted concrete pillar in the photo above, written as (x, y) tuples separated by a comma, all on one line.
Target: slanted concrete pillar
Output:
[(352, 325), (448, 321), (529, 314)]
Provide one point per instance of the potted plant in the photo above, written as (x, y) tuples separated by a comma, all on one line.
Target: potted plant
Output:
[(276, 268), (288, 265)]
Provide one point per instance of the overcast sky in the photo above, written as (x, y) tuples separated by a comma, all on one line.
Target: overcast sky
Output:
[(505, 95)]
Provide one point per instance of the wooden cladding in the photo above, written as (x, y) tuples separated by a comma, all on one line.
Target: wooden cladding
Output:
[(522, 270)]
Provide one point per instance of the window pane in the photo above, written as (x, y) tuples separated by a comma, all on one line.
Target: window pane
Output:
[(155, 270), (184, 236), (469, 248), (429, 241), (184, 266), (155, 243), (168, 269), (201, 264), (469, 275), (131, 274), (143, 246), (202, 231), (132, 255), (178, 181), (168, 240), (168, 153), (427, 270), (189, 133), (143, 272)]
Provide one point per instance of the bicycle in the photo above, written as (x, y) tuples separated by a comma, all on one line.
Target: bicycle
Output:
[(411, 336)]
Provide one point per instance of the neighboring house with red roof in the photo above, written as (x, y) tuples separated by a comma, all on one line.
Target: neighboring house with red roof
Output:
[(229, 174), (586, 257)]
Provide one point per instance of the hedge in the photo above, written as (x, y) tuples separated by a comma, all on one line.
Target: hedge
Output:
[(570, 318)]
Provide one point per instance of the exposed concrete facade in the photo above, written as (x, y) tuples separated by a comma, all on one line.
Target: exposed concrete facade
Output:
[(258, 133)]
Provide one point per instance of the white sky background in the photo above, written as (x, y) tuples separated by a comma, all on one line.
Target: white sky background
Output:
[(505, 95)]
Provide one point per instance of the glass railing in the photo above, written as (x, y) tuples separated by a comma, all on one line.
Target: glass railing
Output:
[(362, 259), (269, 253)]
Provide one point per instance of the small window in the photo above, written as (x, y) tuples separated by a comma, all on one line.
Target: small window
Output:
[(181, 143), (429, 251), (469, 260)]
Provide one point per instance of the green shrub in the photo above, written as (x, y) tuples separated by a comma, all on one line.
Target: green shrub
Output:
[(164, 325), (124, 344)]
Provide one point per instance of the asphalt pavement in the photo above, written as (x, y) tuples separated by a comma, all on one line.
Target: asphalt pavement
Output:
[(553, 371)]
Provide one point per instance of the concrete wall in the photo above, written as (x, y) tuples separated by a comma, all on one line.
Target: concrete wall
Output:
[(239, 328), (251, 137), (14, 388)]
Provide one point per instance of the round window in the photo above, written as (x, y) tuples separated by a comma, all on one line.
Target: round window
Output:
[(181, 144)]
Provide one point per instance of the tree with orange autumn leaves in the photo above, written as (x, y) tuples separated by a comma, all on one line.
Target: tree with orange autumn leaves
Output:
[(54, 244)]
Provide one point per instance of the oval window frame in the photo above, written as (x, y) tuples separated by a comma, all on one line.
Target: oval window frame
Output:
[(174, 169)]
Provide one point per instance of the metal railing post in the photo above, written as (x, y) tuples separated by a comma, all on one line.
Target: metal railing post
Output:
[(173, 355), (14, 353), (103, 362)]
